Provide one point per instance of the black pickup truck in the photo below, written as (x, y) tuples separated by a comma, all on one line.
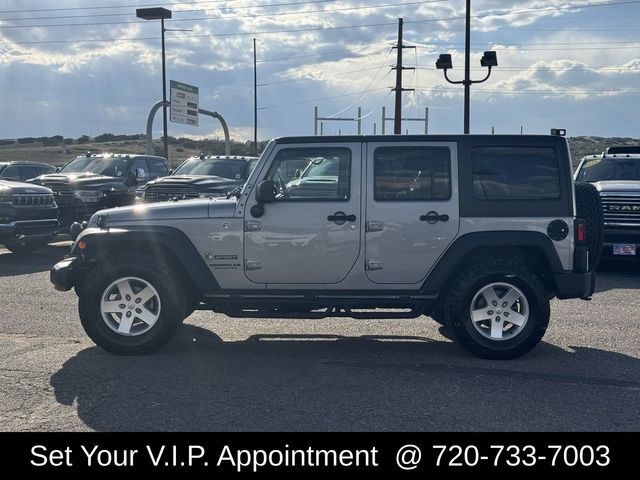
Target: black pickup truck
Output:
[(206, 176), (94, 182)]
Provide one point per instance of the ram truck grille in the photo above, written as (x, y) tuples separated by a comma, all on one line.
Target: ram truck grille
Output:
[(62, 192), (621, 210)]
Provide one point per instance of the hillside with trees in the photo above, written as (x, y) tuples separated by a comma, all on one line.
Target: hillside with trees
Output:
[(58, 149)]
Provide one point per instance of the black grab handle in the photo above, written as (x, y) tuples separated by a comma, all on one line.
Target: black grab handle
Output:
[(434, 217), (341, 217)]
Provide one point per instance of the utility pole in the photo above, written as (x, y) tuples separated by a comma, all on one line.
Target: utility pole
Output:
[(467, 67), (397, 123), (255, 101)]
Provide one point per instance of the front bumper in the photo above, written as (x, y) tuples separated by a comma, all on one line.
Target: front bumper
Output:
[(628, 236), (29, 228), (78, 212), (574, 285), (64, 274)]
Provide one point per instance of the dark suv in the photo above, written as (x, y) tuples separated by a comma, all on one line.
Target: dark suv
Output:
[(92, 182), (28, 216), (201, 177), (617, 178), (21, 171)]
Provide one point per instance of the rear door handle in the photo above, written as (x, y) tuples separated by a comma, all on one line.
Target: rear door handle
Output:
[(434, 217), (340, 218)]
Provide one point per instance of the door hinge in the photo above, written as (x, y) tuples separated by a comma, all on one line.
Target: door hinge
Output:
[(252, 264), (373, 226), (251, 226), (373, 265)]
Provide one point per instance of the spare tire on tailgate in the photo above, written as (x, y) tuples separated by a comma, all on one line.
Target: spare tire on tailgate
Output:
[(589, 209)]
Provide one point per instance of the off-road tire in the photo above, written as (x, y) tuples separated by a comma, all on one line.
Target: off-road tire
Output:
[(157, 274), (457, 305), (589, 209)]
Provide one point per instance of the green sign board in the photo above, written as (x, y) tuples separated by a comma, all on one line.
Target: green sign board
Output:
[(184, 103)]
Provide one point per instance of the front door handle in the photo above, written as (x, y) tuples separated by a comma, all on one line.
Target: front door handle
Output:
[(434, 217), (340, 218)]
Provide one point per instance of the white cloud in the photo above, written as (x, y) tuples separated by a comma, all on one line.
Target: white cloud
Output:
[(550, 50)]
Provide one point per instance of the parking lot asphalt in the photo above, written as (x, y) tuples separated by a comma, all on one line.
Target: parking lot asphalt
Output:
[(225, 374)]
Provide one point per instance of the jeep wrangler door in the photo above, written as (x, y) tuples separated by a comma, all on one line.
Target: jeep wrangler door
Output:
[(310, 233), (411, 208)]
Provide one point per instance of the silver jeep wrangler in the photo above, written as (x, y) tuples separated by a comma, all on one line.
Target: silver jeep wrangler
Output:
[(478, 232)]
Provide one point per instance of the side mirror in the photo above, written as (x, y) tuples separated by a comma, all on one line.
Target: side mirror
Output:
[(171, 171), (266, 192), (297, 174), (140, 175)]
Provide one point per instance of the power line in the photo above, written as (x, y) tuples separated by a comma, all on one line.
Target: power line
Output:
[(532, 10), (209, 35), (138, 5), (532, 92), (280, 59), (224, 17), (366, 90), (310, 29), (319, 99), (550, 69), (306, 79)]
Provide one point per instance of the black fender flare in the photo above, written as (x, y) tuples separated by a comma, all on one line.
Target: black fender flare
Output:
[(448, 264), (147, 239)]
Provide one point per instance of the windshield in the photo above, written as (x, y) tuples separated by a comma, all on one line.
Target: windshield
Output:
[(322, 167), (109, 166), (609, 169), (232, 169)]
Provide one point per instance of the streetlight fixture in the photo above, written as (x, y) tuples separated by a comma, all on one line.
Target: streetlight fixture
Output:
[(489, 59), (160, 14)]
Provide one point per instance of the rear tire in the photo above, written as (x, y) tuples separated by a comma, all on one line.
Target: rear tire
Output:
[(589, 209), (520, 298), (121, 314)]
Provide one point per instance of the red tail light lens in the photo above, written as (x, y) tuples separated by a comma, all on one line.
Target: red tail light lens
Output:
[(580, 232)]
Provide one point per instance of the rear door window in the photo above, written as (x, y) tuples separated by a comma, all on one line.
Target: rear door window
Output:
[(412, 173)]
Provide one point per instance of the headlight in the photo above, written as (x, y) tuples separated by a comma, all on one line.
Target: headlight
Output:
[(5, 197), (88, 195)]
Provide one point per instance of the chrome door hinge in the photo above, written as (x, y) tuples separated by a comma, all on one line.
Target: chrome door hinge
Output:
[(373, 226), (373, 265), (252, 264), (252, 226)]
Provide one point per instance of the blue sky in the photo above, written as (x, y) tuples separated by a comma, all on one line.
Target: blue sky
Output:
[(68, 69)]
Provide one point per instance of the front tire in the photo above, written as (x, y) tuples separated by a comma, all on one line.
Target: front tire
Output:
[(131, 304), (497, 309)]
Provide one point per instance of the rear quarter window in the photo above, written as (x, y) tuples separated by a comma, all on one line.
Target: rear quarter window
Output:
[(515, 173)]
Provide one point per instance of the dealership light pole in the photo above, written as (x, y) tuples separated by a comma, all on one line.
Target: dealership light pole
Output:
[(489, 59), (160, 14)]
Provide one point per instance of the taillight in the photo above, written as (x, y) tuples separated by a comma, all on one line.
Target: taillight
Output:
[(580, 231)]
